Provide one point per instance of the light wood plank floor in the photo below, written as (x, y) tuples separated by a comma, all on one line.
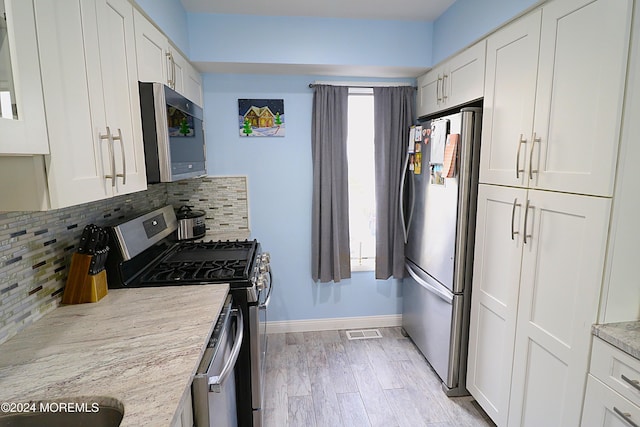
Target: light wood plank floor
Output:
[(323, 379)]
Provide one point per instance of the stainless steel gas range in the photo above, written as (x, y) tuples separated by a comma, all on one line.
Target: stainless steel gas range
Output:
[(145, 254)]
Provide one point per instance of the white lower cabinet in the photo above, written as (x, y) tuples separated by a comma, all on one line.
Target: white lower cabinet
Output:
[(88, 70), (496, 274), (613, 396), (538, 264)]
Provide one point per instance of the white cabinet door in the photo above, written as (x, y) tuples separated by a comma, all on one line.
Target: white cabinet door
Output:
[(77, 165), (581, 80), (158, 61), (22, 118), (429, 97), (193, 85), (604, 407), (463, 77), (562, 265), (509, 97), (152, 51), (455, 82), (494, 298), (178, 67), (121, 96), (90, 84)]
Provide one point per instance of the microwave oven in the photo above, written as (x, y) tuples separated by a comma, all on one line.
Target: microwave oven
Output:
[(173, 133)]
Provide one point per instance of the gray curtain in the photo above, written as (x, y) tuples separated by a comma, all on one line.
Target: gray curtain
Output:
[(393, 115), (331, 259)]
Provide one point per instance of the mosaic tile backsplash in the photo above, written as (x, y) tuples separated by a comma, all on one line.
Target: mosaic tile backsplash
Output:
[(223, 199), (36, 247)]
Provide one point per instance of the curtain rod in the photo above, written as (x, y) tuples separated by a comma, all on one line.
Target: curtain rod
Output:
[(361, 84)]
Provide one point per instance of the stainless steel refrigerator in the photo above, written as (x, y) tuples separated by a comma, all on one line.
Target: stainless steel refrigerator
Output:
[(439, 219)]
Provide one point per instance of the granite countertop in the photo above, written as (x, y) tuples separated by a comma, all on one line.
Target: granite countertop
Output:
[(623, 335), (139, 346)]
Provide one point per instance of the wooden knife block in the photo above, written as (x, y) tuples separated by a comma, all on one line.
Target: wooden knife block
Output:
[(82, 287)]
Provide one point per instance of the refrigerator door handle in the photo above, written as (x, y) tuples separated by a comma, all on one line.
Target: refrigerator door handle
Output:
[(428, 286), (405, 223)]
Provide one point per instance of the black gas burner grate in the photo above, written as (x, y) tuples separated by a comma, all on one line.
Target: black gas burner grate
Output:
[(202, 262), (218, 245)]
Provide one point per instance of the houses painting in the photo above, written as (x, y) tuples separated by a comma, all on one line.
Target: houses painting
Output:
[(261, 117)]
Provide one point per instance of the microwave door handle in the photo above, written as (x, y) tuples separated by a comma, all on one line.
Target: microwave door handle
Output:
[(122, 175), (215, 381)]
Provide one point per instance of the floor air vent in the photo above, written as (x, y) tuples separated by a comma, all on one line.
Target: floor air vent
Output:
[(363, 334)]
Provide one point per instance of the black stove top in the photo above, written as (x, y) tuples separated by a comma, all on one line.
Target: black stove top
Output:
[(204, 262)]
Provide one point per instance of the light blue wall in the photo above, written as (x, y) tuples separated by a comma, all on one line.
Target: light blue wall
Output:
[(280, 176), (171, 17), (467, 20), (279, 169), (306, 40)]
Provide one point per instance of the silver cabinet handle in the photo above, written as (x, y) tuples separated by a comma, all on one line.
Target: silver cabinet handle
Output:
[(173, 67), (112, 158), (526, 215), (533, 143), (444, 87), (438, 97), (633, 383), (513, 217), (215, 381), (171, 81), (625, 416), (520, 142), (122, 175)]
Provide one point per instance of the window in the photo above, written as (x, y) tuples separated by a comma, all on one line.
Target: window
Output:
[(362, 202)]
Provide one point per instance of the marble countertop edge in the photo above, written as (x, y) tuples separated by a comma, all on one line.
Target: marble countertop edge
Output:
[(622, 335)]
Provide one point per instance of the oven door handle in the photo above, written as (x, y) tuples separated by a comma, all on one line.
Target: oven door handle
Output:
[(215, 381), (265, 304)]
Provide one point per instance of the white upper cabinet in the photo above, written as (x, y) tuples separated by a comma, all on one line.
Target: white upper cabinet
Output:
[(570, 141), (455, 82), (119, 86), (160, 62), (193, 85), (93, 111), (428, 98), (581, 83), (23, 129), (152, 51), (509, 97)]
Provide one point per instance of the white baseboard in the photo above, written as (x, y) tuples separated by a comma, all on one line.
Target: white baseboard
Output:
[(386, 321)]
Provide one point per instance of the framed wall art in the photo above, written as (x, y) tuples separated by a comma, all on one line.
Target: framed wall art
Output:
[(261, 117)]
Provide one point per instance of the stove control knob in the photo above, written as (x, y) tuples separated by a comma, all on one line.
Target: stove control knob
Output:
[(264, 268), (260, 283), (265, 257)]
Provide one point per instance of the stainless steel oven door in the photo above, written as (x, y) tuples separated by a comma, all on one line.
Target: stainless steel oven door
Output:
[(214, 387), (258, 322)]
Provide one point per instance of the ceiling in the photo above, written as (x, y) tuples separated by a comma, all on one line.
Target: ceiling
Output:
[(403, 10)]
